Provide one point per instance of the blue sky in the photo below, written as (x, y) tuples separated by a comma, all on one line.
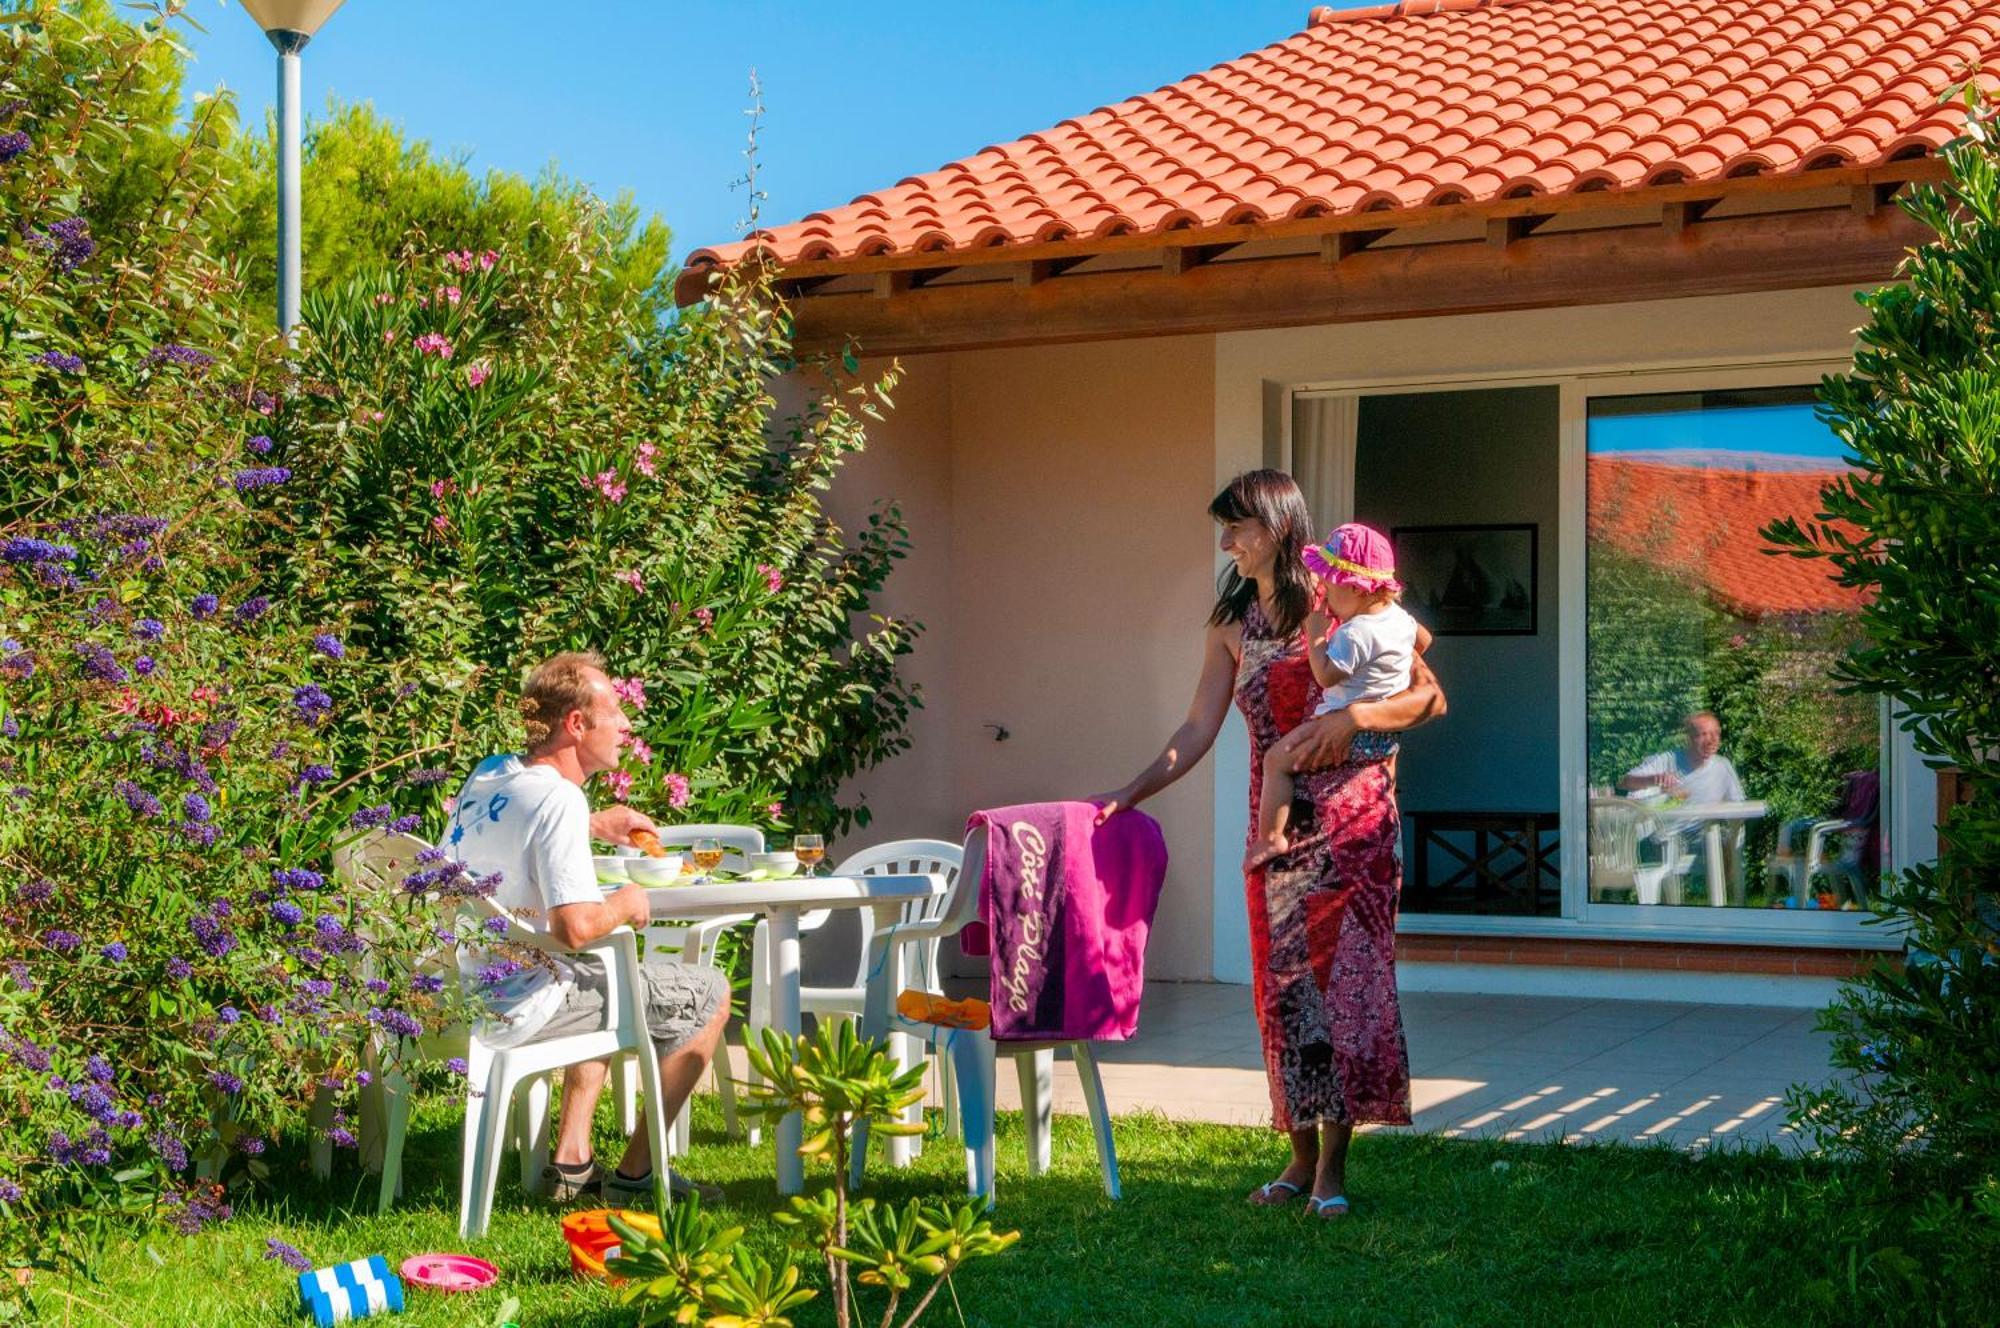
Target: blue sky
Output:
[(648, 96)]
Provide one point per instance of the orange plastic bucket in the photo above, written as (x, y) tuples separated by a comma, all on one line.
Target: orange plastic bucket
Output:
[(592, 1241)]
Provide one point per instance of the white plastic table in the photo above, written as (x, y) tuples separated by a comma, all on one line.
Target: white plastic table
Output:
[(1713, 816), (782, 902)]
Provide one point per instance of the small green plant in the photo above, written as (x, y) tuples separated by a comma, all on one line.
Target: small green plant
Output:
[(697, 1271)]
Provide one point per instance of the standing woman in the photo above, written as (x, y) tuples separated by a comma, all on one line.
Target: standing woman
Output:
[(1323, 915)]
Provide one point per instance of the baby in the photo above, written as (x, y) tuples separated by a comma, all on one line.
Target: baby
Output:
[(1366, 658)]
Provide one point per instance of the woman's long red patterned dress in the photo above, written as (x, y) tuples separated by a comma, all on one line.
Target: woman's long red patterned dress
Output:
[(1323, 916)]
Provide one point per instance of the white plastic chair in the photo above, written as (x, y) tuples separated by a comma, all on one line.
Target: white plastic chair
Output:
[(1618, 826), (903, 857), (694, 942), (973, 1056), (1790, 867), (379, 861), (494, 1073)]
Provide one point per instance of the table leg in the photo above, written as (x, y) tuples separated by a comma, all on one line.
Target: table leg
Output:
[(887, 976), (1718, 888), (784, 933)]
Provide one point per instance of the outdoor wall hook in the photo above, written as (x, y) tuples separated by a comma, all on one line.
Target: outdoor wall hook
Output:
[(1000, 732)]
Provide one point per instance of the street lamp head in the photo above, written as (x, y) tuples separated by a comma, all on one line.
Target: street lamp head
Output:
[(290, 24)]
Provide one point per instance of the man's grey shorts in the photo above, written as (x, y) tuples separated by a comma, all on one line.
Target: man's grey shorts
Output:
[(681, 999)]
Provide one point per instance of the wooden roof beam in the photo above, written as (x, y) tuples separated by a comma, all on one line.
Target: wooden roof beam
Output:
[(1677, 217), (1342, 245), (1503, 231)]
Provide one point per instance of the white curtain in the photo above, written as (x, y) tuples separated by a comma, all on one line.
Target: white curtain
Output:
[(1323, 434)]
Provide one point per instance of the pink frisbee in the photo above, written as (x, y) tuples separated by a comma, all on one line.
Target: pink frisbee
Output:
[(449, 1272)]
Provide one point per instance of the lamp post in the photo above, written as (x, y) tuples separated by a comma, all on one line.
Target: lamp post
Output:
[(290, 24)]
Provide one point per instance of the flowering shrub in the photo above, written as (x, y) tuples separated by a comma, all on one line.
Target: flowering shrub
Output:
[(177, 966), (496, 464)]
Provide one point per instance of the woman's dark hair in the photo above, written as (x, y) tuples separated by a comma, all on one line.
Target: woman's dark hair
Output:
[(1273, 500)]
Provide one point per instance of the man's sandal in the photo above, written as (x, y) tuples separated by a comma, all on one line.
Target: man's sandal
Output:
[(1275, 1193), (1334, 1205)]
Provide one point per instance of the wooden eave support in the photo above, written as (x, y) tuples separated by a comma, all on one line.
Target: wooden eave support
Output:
[(1723, 256), (1183, 258), (1503, 231), (1677, 217), (1342, 245), (1869, 199)]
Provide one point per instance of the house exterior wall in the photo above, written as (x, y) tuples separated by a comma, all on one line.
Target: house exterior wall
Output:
[(1062, 564)]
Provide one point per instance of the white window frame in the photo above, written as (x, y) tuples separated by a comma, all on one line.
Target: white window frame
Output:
[(1904, 778)]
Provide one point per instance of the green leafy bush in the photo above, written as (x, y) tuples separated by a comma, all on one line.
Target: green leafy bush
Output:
[(698, 1273), (176, 966), (1921, 412)]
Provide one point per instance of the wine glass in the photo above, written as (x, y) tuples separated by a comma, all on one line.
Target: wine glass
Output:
[(810, 850), (707, 855)]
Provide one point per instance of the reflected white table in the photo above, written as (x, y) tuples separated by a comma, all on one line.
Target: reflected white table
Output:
[(1713, 817), (782, 902)]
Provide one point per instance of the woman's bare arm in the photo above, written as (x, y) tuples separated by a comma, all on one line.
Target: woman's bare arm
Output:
[(1196, 734)]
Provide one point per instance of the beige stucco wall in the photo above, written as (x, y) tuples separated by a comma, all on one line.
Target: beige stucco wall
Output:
[(1062, 563)]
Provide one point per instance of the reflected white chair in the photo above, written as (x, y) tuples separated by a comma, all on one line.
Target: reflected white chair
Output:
[(1788, 866), (973, 1054), (693, 942), (1617, 829), (493, 1074)]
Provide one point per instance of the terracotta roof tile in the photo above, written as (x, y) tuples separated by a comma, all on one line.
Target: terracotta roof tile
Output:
[(1707, 522), (1425, 101)]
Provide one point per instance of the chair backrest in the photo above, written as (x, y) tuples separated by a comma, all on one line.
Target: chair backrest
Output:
[(738, 841), (911, 857), (1615, 830), (377, 860)]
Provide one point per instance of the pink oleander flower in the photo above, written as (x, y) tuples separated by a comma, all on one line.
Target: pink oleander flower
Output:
[(632, 691), (706, 617), (607, 483), (620, 784), (678, 792), (440, 523), (631, 578), (451, 804), (433, 343), (477, 373), (640, 750), (459, 260), (644, 462), (774, 810), (450, 294), (376, 416), (773, 579), (487, 260), (386, 297), (388, 336), (440, 488)]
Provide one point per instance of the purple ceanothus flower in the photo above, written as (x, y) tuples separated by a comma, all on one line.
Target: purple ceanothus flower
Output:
[(229, 1014), (115, 952), (456, 1065), (395, 1021), (329, 646), (10, 727), (261, 477), (178, 968), (69, 240), (21, 549), (297, 878), (312, 703), (149, 629), (12, 144), (225, 1082), (426, 779), (99, 1070), (60, 362), (370, 818), (318, 774), (185, 356), (144, 666), (10, 1193), (195, 807), (204, 605), (141, 802), (329, 926), (169, 1149), (216, 940), (60, 940), (285, 1254), (260, 444), (99, 663), (250, 610), (286, 912), (37, 891)]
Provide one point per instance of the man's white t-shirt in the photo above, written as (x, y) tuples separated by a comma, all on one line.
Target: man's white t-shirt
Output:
[(1374, 650), (532, 826), (1714, 780)]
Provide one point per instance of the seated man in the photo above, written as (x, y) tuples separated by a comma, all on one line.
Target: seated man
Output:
[(1697, 772), (526, 818)]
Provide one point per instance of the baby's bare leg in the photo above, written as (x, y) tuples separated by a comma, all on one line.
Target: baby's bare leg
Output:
[(1274, 803)]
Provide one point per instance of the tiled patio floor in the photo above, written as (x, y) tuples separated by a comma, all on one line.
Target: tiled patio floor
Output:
[(1515, 1067)]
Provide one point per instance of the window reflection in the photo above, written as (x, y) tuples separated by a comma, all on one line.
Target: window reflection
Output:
[(1726, 768)]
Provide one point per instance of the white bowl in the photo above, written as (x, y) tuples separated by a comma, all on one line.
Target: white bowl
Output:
[(778, 863), (611, 869), (654, 871)]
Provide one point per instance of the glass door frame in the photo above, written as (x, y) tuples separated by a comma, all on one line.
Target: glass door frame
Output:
[(1907, 819)]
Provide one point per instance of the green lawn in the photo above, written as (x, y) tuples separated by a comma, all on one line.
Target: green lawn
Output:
[(1444, 1232)]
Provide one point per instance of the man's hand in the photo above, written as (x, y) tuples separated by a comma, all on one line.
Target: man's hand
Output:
[(614, 825), (1322, 742), (633, 905)]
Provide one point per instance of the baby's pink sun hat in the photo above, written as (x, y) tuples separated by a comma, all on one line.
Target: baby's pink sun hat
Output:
[(1355, 555)]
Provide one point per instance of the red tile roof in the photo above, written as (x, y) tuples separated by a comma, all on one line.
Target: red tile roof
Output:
[(1705, 522), (1430, 102)]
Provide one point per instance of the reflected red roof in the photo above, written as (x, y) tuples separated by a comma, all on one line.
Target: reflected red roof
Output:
[(1449, 101), (1706, 522)]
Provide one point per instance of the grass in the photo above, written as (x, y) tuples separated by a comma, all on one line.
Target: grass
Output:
[(1444, 1232)]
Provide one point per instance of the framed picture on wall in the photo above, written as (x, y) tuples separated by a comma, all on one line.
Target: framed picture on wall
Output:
[(1469, 580)]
